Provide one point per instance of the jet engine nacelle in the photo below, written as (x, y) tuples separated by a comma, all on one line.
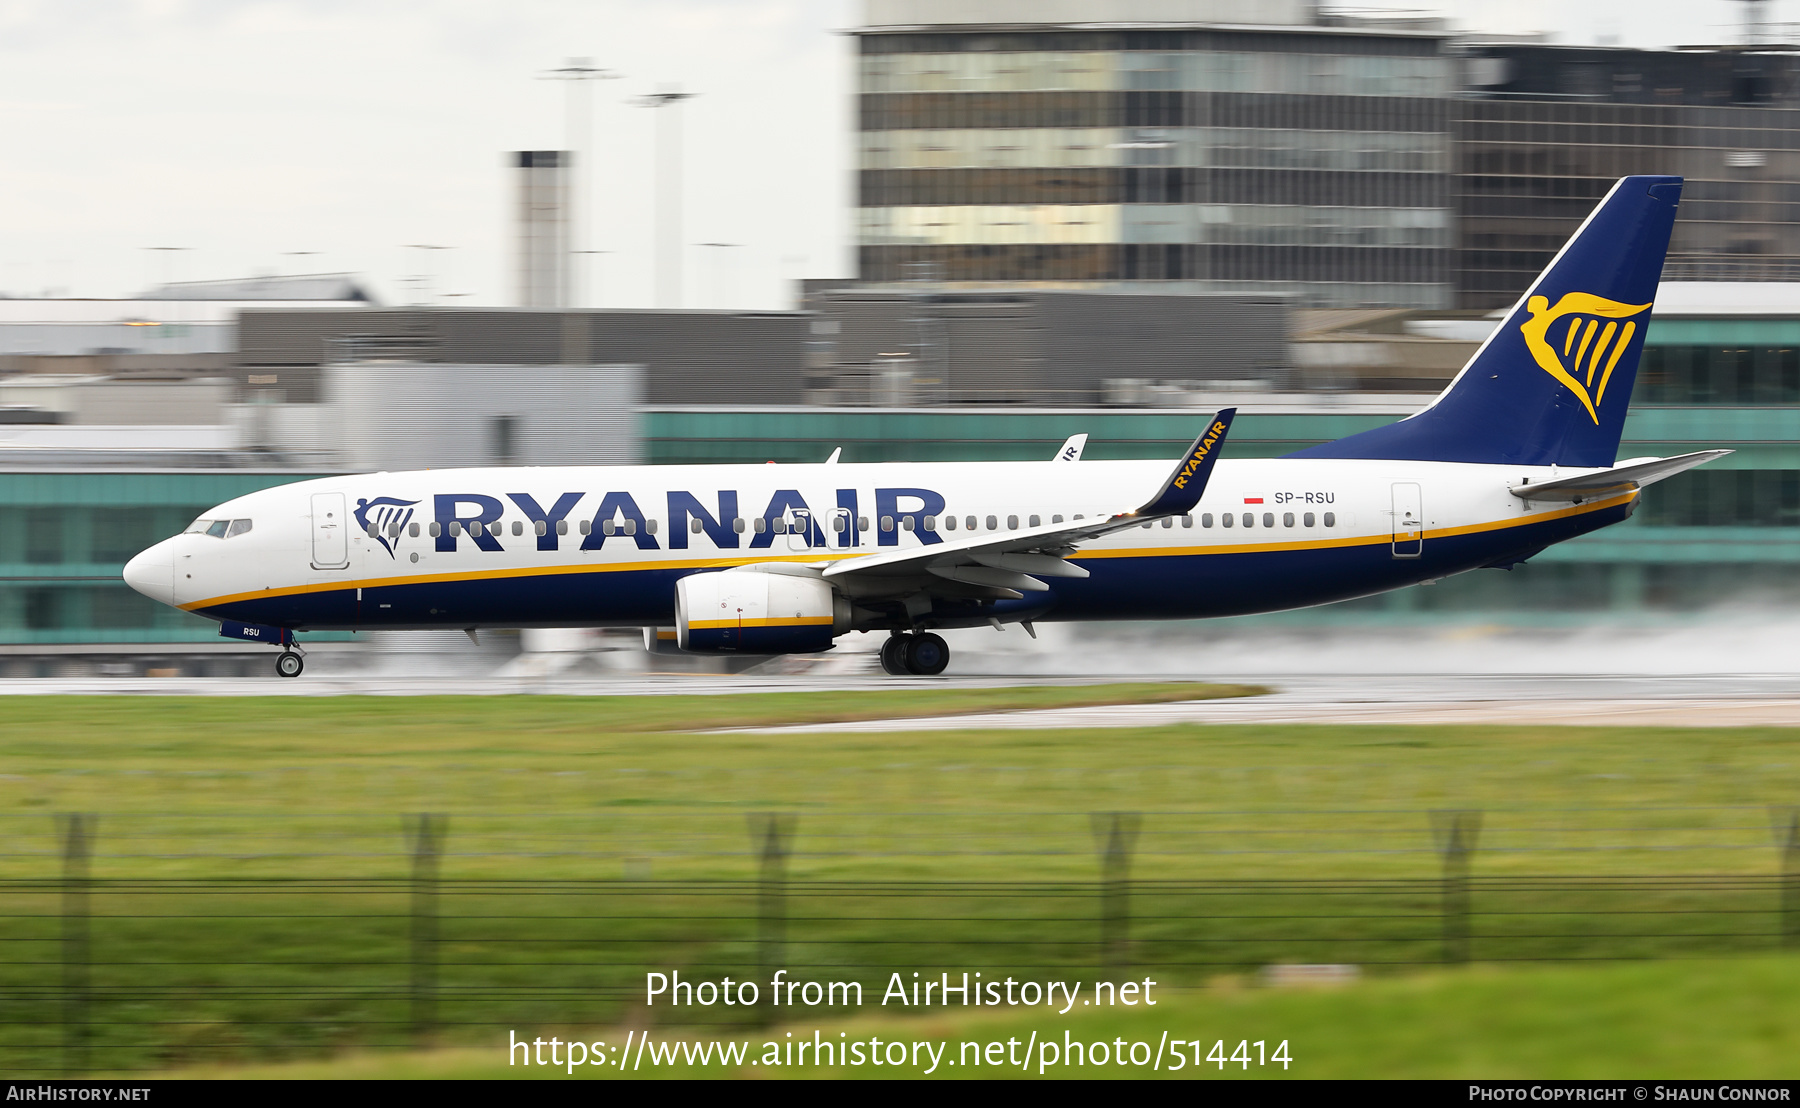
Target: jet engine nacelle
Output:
[(750, 612)]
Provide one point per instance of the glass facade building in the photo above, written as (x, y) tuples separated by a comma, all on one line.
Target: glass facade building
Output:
[(1542, 132), (1310, 162), (65, 538)]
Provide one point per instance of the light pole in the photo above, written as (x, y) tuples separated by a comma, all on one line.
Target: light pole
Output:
[(668, 194), (422, 282), (726, 260), (578, 128), (598, 298), (168, 260)]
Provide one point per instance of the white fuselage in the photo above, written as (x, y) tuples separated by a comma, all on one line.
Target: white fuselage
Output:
[(1301, 532)]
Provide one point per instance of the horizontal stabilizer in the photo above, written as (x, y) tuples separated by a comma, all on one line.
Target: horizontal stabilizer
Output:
[(1625, 478)]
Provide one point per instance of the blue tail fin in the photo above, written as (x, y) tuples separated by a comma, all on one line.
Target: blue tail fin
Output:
[(1551, 384)]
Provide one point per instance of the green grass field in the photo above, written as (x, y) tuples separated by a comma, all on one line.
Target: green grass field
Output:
[(1724, 1019), (251, 858)]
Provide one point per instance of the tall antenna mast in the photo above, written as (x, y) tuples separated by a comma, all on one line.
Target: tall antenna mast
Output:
[(668, 194), (579, 73)]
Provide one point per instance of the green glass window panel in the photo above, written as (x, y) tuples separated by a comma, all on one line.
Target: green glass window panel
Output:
[(121, 533), (44, 535)]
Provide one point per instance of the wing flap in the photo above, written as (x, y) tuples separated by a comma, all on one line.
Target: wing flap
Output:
[(1009, 560)]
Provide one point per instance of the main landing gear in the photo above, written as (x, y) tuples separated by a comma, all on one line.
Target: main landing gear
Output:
[(289, 664), (923, 655)]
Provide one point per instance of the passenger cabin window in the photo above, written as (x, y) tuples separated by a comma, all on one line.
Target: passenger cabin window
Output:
[(1055, 519), (929, 523), (762, 524), (1309, 519), (238, 527), (887, 523), (1268, 519), (1035, 520), (435, 530), (541, 528), (518, 528), (1206, 519), (906, 523), (949, 523), (412, 529), (1012, 523), (1168, 522), (1187, 520), (695, 526), (970, 522), (1249, 519), (993, 523), (862, 523), (1331, 519), (562, 526), (736, 524), (1226, 518), (1287, 519), (606, 527), (587, 526)]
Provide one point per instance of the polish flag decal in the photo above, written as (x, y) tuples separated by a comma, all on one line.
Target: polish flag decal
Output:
[(1253, 500)]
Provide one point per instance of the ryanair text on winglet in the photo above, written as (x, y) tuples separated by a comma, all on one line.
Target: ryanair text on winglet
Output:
[(1199, 455)]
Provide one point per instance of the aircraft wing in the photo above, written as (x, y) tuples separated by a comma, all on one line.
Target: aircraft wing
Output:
[(1635, 474), (1003, 564)]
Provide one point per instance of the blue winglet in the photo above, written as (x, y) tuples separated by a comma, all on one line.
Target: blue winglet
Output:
[(1183, 488)]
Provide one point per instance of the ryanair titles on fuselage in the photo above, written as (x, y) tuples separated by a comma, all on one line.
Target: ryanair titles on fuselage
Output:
[(619, 516)]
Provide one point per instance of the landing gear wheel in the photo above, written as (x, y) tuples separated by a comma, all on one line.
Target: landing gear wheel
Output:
[(927, 655), (288, 664), (893, 655)]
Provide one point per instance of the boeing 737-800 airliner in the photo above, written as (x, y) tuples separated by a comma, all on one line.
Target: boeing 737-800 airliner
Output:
[(1518, 453)]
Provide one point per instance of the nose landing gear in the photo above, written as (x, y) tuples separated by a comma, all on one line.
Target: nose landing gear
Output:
[(924, 655), (289, 664)]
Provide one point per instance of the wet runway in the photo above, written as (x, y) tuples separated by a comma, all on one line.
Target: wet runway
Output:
[(1579, 700), (1588, 701)]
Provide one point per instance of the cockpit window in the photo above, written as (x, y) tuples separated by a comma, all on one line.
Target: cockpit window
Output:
[(238, 527), (217, 530), (198, 527)]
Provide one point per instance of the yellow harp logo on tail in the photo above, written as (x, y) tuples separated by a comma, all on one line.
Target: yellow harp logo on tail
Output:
[(1579, 341)]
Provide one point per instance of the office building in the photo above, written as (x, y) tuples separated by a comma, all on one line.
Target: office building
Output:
[(1009, 143)]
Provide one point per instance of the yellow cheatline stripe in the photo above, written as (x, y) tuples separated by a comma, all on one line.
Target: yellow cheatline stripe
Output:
[(1358, 540), (529, 571), (857, 552), (790, 621)]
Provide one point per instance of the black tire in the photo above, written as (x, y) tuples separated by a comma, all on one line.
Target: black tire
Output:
[(927, 655), (893, 655), (289, 664)]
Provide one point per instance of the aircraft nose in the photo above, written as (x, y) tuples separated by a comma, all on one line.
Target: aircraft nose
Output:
[(153, 573)]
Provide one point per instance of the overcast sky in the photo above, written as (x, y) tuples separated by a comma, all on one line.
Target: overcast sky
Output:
[(295, 136)]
